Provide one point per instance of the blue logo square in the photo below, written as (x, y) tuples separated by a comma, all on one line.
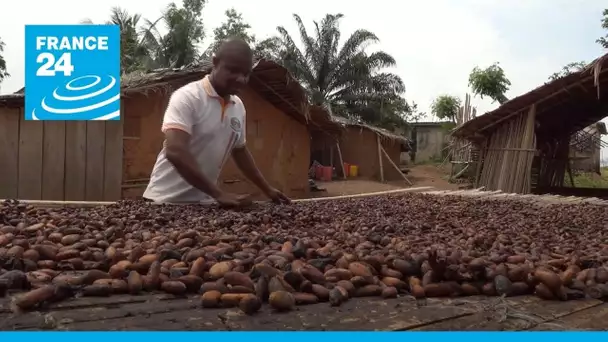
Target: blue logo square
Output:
[(72, 72)]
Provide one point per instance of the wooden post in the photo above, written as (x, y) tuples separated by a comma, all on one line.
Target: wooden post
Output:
[(480, 158), (341, 160), (380, 158), (569, 168), (451, 172), (393, 164)]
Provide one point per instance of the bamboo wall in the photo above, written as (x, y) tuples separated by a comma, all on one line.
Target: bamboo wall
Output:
[(508, 155), (59, 160)]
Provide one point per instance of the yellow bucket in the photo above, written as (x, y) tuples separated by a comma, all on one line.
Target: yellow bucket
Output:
[(354, 170)]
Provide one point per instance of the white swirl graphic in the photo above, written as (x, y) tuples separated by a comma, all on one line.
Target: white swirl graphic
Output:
[(69, 86), (68, 100)]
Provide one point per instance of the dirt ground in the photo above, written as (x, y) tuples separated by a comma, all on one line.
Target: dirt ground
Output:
[(431, 175), (419, 175)]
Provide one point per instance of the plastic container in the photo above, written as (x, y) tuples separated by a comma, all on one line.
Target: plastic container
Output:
[(346, 169), (318, 172), (354, 171), (327, 173)]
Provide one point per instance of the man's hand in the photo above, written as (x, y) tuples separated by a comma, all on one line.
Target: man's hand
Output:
[(229, 200), (245, 162), (277, 197)]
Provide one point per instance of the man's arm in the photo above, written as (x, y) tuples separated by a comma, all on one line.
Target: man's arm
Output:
[(178, 154), (243, 159)]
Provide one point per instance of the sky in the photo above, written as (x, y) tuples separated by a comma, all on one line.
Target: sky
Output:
[(436, 43)]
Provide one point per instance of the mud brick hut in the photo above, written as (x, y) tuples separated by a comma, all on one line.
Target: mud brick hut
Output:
[(524, 144), (374, 150), (278, 122), (57, 160), (107, 161), (429, 140)]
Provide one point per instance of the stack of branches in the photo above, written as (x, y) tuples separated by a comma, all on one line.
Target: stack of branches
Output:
[(554, 163), (459, 150), (584, 141)]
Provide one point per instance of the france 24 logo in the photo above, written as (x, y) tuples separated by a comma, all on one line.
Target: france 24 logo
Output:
[(72, 72)]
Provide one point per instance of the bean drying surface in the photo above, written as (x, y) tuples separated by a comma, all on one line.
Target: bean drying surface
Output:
[(304, 253)]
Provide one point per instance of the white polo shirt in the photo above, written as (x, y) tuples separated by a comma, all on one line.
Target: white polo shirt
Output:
[(215, 128)]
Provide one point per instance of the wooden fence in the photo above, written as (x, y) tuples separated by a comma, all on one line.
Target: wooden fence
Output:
[(59, 160)]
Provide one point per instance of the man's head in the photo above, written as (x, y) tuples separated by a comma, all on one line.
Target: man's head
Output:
[(232, 65)]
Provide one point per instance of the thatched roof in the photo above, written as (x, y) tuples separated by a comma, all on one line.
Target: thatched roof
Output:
[(269, 79), (383, 133), (563, 106), (12, 100), (430, 123)]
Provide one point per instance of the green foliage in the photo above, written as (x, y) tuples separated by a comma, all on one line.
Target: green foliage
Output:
[(448, 126), (236, 27), (133, 53), (589, 180), (568, 69), (394, 114), (179, 47), (347, 80), (143, 47), (603, 41), (490, 82), (446, 107), (3, 73), (412, 114)]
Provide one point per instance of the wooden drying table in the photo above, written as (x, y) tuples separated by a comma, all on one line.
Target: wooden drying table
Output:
[(164, 312)]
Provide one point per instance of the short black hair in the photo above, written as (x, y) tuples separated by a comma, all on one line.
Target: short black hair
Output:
[(232, 45)]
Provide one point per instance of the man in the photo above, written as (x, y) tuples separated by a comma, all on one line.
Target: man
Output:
[(203, 125)]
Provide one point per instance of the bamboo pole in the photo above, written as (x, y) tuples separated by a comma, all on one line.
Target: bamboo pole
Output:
[(86, 204), (395, 166), (570, 175), (529, 143), (461, 172), (341, 160), (380, 158)]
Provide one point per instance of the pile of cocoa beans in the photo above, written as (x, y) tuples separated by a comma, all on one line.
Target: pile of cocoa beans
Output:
[(304, 253)]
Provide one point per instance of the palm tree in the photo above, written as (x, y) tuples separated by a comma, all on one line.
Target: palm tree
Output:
[(143, 47), (346, 80), (134, 53)]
